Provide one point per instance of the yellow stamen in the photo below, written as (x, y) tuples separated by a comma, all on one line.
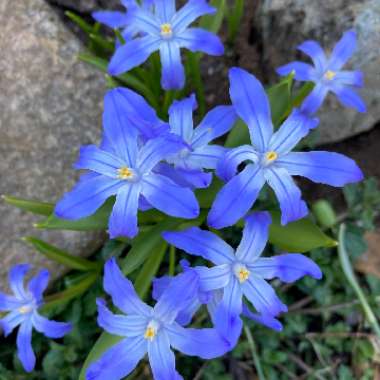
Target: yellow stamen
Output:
[(124, 173), (25, 309), (271, 156), (330, 74), (150, 333), (243, 275), (166, 30)]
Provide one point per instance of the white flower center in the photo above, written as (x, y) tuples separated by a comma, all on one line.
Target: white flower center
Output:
[(166, 30), (241, 272)]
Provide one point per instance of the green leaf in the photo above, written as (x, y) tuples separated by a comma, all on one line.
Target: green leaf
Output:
[(234, 17), (206, 196), (214, 22), (149, 270), (97, 221), (239, 135), (83, 24), (36, 207), (145, 245), (300, 236), (74, 291), (60, 256)]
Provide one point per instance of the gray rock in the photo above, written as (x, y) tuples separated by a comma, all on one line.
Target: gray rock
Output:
[(87, 6), (50, 104), (284, 24)]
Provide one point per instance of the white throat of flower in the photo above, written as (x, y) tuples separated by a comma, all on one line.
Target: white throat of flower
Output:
[(166, 31), (151, 330), (241, 272)]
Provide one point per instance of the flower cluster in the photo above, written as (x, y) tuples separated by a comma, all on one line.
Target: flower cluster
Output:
[(144, 162)]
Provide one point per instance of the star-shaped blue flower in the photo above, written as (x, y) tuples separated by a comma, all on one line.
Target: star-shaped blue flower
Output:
[(242, 272), (123, 167), (187, 166), (23, 308), (122, 20), (271, 159), (167, 31), (327, 74), (151, 330)]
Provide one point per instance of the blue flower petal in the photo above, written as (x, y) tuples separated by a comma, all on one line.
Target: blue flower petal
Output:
[(314, 100), (349, 78), (38, 284), (197, 39), (133, 54), (119, 361), (288, 194), (236, 197), (121, 325), (265, 320), (255, 237), (123, 218), (214, 278), (113, 19), (181, 117), (227, 314), (228, 166), (216, 123), (16, 280), (343, 50), (189, 13), (262, 296), (294, 128), (51, 329), (204, 343), (252, 105), (165, 9), (349, 98), (8, 303), (192, 178), (168, 197), (24, 346), (99, 161), (144, 21), (201, 243), (173, 72), (302, 71), (162, 359), (122, 291), (322, 167), (86, 197), (316, 53), (206, 157), (176, 297), (156, 150), (11, 320), (288, 267)]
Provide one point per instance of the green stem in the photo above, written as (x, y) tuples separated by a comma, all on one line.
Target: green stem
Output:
[(352, 280), (195, 70), (255, 355), (171, 260)]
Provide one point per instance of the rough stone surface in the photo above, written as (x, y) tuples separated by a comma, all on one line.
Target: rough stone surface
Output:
[(86, 6), (283, 24), (50, 104)]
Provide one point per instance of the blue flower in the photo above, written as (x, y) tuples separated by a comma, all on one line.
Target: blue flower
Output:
[(327, 74), (167, 31), (117, 19), (123, 167), (151, 330), (23, 308), (197, 154), (242, 272), (211, 299), (271, 159)]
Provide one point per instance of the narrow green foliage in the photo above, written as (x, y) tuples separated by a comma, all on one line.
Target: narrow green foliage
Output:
[(35, 207), (213, 23), (60, 256), (324, 213), (83, 24), (234, 17)]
